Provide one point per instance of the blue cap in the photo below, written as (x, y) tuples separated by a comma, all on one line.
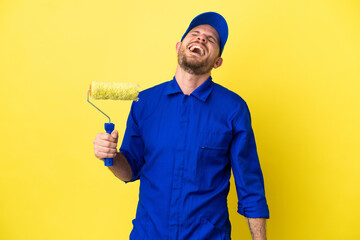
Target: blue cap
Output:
[(216, 21)]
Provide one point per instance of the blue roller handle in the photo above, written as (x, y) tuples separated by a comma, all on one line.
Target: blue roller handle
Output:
[(109, 127)]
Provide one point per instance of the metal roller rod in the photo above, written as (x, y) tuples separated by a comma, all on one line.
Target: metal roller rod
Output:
[(95, 106)]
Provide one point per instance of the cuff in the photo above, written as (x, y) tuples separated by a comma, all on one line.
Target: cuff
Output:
[(258, 211)]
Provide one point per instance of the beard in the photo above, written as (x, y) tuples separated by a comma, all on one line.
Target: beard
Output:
[(194, 66)]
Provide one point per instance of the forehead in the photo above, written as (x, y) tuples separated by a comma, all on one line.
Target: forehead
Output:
[(207, 29)]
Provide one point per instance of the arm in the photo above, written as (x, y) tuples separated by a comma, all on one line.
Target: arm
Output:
[(248, 176), (105, 147), (257, 228), (121, 168), (129, 159)]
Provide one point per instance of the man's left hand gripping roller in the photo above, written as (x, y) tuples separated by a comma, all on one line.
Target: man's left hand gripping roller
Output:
[(113, 91)]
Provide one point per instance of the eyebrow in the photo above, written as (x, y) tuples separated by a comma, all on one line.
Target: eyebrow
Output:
[(209, 36)]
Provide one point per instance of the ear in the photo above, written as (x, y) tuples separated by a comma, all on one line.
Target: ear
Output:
[(178, 44), (218, 62)]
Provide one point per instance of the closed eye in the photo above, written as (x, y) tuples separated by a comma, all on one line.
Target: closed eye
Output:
[(210, 38)]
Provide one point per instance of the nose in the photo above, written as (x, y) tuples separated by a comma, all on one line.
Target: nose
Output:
[(202, 38)]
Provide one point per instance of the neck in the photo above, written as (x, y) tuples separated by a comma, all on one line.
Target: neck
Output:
[(189, 82)]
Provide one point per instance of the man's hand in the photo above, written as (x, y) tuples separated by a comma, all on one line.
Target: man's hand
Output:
[(257, 228), (105, 145)]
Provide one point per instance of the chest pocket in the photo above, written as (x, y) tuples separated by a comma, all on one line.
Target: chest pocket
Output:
[(212, 159)]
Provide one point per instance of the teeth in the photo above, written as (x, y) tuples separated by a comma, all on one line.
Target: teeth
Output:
[(201, 50)]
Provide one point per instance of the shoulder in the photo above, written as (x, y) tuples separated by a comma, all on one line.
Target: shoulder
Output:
[(148, 100), (228, 98), (148, 93), (231, 104)]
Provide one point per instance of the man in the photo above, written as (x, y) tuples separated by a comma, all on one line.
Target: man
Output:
[(182, 139)]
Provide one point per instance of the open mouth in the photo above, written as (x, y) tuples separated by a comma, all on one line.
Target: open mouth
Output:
[(197, 50)]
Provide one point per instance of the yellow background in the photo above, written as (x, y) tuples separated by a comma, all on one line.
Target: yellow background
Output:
[(296, 64)]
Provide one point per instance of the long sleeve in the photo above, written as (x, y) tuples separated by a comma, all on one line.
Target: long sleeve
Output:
[(132, 146), (246, 168)]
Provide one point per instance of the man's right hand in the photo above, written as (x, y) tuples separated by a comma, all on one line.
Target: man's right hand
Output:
[(105, 145)]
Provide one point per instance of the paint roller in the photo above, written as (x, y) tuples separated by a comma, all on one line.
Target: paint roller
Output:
[(112, 91)]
